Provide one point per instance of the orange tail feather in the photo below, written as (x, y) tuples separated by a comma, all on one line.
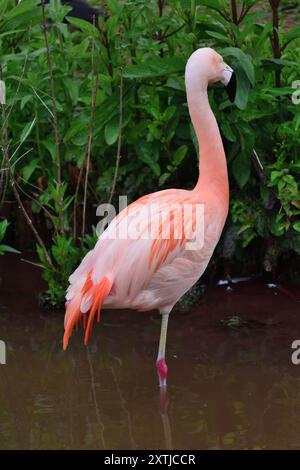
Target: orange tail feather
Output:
[(99, 292)]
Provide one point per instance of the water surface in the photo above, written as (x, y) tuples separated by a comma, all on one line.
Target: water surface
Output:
[(229, 388)]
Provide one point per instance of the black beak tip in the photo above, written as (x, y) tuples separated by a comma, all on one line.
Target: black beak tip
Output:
[(231, 87)]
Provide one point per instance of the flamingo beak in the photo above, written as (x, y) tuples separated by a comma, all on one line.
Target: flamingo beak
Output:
[(229, 80), (231, 87)]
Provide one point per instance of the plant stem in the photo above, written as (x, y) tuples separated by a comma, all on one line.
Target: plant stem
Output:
[(118, 158), (166, 36), (160, 32), (222, 13), (3, 177), (54, 125), (4, 123), (19, 187), (75, 206), (275, 42), (105, 42), (5, 149), (234, 12), (244, 11), (89, 141), (160, 7), (38, 141), (3, 183)]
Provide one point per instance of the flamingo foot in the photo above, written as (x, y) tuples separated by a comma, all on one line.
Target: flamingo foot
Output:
[(163, 401), (162, 372)]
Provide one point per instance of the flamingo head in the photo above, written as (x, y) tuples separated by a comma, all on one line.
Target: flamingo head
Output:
[(207, 66)]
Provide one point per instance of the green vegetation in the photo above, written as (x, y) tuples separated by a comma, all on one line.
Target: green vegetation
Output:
[(94, 114), (5, 248)]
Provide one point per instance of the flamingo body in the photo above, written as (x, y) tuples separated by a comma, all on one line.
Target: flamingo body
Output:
[(147, 273), (142, 260)]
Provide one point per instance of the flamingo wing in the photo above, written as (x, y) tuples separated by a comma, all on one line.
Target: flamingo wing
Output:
[(146, 236)]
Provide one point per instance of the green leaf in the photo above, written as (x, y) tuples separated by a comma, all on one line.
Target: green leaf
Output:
[(149, 155), (76, 127), (263, 37), (277, 63), (72, 86), (156, 67), (278, 225), (50, 146), (241, 169), (26, 130), (9, 33), (216, 4), (275, 175), (179, 155), (111, 108), (194, 138), (221, 37), (163, 178), (169, 113), (24, 100), (292, 34), (22, 15), (248, 239), (243, 87), (227, 131), (85, 26), (296, 226), (29, 169), (8, 249), (3, 7), (111, 131), (3, 226), (151, 163), (243, 60), (21, 8)]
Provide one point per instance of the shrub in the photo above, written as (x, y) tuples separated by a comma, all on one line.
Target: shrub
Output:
[(64, 126)]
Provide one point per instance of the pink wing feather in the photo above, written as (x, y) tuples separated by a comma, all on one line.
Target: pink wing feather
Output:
[(134, 272)]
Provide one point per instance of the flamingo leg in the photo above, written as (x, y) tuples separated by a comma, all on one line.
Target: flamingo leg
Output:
[(161, 366)]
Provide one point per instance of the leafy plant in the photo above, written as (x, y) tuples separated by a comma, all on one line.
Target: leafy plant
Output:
[(5, 248), (63, 119), (66, 256)]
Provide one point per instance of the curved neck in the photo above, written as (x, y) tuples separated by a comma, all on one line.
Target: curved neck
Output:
[(212, 166)]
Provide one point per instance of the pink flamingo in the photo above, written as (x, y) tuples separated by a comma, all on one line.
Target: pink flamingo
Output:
[(158, 247)]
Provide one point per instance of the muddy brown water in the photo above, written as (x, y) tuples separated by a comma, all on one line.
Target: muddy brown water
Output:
[(229, 388)]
